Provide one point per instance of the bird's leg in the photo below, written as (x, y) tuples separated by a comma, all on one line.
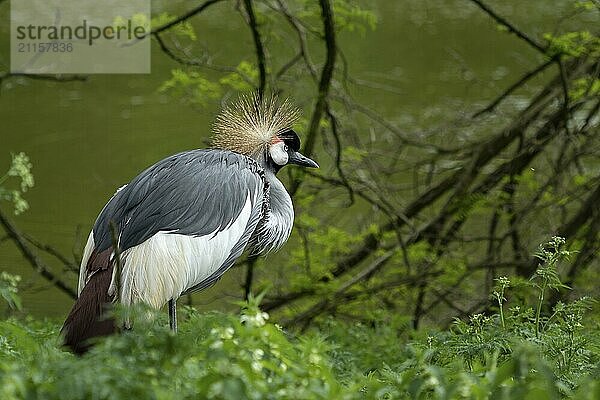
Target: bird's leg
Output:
[(173, 315)]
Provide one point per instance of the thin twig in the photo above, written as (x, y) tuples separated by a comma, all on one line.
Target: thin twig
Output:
[(326, 74), (44, 77), (363, 275), (70, 265), (34, 260), (524, 79), (508, 25), (184, 17), (288, 65), (402, 136), (258, 46), (324, 85), (338, 153), (565, 88), (301, 33), (174, 56), (192, 62)]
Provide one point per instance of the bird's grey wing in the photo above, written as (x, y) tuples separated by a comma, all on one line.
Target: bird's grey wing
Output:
[(195, 193)]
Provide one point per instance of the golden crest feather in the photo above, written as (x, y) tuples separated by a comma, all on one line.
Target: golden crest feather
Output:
[(250, 124)]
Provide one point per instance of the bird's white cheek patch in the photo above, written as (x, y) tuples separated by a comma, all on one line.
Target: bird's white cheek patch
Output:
[(278, 153)]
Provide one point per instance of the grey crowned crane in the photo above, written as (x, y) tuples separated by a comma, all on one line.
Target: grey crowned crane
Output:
[(184, 221)]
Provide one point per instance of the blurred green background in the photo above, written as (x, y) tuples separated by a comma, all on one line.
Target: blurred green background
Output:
[(425, 62)]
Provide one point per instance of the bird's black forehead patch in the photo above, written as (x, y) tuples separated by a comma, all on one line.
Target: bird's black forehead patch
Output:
[(291, 139)]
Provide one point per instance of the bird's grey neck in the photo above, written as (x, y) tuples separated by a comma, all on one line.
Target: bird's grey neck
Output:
[(278, 222), (280, 200)]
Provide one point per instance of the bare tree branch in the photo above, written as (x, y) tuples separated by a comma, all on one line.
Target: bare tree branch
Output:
[(69, 264), (44, 77), (508, 25), (324, 84), (185, 16), (301, 33), (360, 277), (260, 51), (34, 260), (338, 153), (458, 181), (326, 75), (524, 79)]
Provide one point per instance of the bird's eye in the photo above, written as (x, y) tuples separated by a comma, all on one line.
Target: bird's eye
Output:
[(285, 147)]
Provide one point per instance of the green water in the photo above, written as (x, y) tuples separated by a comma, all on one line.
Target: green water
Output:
[(88, 138)]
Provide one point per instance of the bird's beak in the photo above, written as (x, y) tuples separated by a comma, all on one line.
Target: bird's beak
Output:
[(300, 159)]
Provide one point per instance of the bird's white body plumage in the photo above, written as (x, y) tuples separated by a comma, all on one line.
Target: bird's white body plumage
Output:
[(167, 264)]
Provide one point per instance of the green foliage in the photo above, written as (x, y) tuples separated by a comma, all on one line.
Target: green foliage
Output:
[(583, 87), (191, 87), (244, 78), (183, 29), (354, 155), (8, 290), (349, 15), (514, 353), (214, 356), (587, 5), (358, 350), (194, 88), (573, 44), (523, 352), (327, 243), (20, 169), (559, 336)]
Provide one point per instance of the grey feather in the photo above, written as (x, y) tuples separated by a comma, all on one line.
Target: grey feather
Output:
[(194, 193)]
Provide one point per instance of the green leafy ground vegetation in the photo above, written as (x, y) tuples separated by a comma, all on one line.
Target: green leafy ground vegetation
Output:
[(524, 347)]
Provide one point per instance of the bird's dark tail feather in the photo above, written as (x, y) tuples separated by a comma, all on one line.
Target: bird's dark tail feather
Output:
[(87, 318)]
